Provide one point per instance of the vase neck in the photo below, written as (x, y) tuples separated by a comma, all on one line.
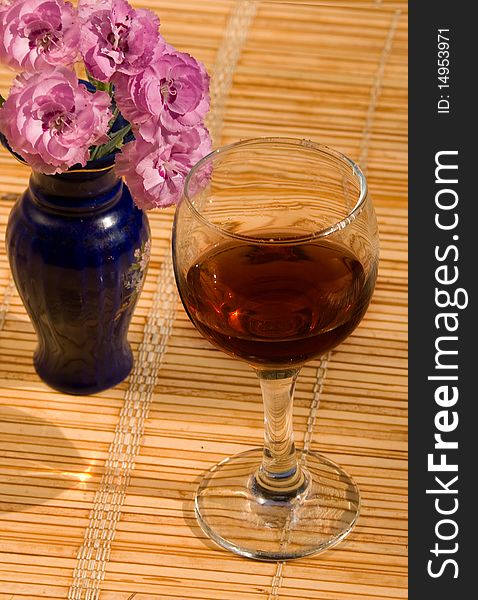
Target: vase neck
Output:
[(76, 191)]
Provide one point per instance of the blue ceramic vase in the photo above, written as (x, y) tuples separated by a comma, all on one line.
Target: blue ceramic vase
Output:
[(78, 249)]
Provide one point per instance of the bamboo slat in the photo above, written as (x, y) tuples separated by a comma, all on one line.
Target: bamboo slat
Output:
[(332, 71)]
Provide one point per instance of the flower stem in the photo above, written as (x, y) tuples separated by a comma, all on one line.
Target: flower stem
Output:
[(116, 141)]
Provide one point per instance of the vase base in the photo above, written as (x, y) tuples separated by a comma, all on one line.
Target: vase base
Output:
[(79, 385)]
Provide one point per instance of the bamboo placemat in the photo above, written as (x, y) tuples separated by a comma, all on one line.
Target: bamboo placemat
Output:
[(89, 507)]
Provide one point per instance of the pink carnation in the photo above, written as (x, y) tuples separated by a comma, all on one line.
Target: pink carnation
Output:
[(36, 34), (175, 88), (117, 38), (51, 120), (156, 172)]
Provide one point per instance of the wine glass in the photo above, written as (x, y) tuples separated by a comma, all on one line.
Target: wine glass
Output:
[(275, 251)]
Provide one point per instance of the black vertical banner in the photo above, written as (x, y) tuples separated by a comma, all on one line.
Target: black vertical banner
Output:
[(443, 255)]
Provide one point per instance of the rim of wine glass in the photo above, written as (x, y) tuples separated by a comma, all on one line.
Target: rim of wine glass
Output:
[(296, 142)]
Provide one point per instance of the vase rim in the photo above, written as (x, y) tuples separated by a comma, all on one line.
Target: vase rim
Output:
[(88, 168)]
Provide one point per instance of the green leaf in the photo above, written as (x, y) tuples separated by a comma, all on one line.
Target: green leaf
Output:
[(116, 141), (99, 85), (115, 116)]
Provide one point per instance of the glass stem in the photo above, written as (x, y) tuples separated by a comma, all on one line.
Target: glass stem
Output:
[(280, 473)]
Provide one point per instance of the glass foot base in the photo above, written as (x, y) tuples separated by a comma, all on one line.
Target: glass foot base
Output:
[(237, 515)]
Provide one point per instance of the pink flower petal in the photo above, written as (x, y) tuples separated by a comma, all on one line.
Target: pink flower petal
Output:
[(115, 38), (156, 171), (173, 88), (52, 120), (38, 35)]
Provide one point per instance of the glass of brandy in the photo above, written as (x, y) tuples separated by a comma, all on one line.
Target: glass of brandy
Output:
[(275, 250)]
